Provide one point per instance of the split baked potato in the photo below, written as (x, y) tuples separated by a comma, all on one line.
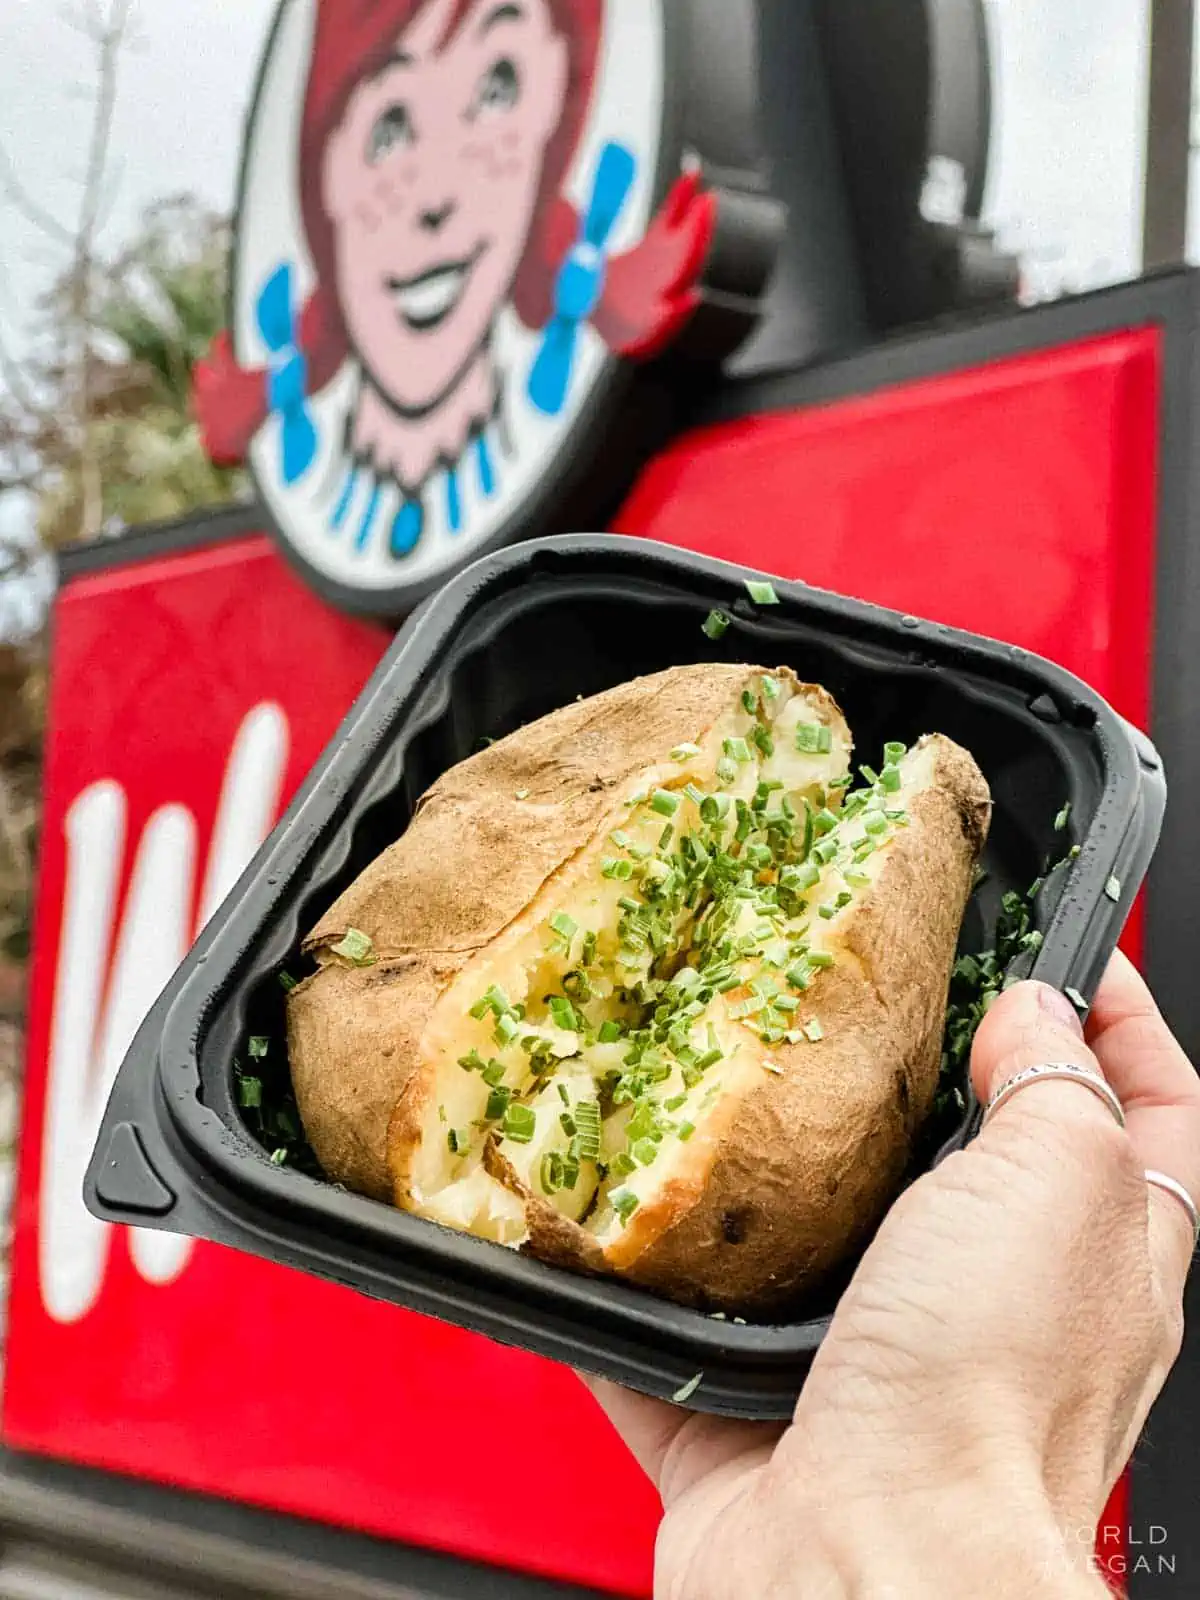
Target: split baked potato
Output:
[(650, 988)]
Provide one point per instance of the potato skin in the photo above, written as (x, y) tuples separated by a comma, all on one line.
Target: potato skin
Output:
[(472, 859), (809, 1160), (814, 1157)]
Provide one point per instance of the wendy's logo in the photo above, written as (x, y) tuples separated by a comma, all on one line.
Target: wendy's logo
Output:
[(459, 222)]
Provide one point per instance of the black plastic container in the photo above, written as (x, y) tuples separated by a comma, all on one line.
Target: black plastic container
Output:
[(514, 637)]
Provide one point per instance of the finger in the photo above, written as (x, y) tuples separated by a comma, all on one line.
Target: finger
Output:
[(677, 1448), (1032, 1025), (1159, 1089)]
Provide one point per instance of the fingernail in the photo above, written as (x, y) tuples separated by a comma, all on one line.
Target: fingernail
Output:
[(1057, 1007)]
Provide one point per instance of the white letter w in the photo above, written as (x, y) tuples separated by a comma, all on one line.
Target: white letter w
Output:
[(93, 1021)]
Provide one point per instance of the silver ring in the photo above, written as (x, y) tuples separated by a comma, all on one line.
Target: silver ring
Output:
[(1068, 1072), (1173, 1187)]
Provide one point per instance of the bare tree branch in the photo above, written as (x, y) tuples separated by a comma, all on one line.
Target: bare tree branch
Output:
[(107, 30), (18, 195)]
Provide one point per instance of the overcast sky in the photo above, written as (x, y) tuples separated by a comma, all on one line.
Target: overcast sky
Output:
[(1066, 178)]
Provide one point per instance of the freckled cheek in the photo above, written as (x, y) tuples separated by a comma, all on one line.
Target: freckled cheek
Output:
[(390, 193), (500, 160)]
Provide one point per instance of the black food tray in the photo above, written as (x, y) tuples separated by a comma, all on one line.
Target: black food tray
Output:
[(516, 636)]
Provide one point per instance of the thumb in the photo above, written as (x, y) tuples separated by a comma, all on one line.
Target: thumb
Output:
[(1034, 1025)]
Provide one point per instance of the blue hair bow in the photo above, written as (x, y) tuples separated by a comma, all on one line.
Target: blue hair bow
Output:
[(287, 377), (580, 281)]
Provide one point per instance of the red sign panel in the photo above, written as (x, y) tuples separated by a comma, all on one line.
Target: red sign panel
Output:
[(190, 695)]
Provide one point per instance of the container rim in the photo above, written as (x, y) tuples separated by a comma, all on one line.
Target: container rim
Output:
[(237, 928)]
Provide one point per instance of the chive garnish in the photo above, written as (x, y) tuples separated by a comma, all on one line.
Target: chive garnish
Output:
[(814, 1031), (356, 948), (893, 753), (624, 1202), (250, 1093), (685, 752), (519, 1124), (1063, 817), (683, 1395), (257, 1046), (716, 625), (664, 802), (286, 982), (279, 1158), (814, 739), (763, 594), (1113, 888)]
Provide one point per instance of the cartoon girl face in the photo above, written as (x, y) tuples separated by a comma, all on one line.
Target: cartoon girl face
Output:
[(431, 179)]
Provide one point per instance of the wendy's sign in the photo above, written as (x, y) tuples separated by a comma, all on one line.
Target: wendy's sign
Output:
[(460, 222)]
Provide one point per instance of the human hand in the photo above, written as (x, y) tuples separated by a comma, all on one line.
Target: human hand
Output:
[(993, 1361)]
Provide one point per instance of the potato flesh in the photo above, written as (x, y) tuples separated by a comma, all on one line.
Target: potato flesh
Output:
[(455, 1189), (529, 963), (460, 1193)]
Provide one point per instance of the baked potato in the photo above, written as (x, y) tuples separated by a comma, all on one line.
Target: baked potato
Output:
[(650, 988)]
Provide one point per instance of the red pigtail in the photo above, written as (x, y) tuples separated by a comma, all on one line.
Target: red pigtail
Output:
[(230, 402), (650, 291)]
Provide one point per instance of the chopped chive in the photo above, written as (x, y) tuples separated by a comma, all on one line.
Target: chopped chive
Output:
[(856, 880), (737, 750), (498, 1103), (519, 1124), (564, 925), (820, 959), (1063, 817), (684, 1131), (456, 1141), (770, 688), (563, 1095), (644, 1152), (799, 978), (614, 867), (683, 1395), (507, 1029), (257, 1046), (685, 752), (826, 912), (716, 624), (610, 1032), (664, 802), (250, 1093), (875, 822), (813, 739), (763, 594), (889, 778), (726, 770), (814, 1031), (1113, 888), (279, 1158), (472, 1062), (493, 1073), (749, 702), (675, 1102), (356, 948), (286, 982), (870, 775), (824, 822), (893, 753), (624, 1202)]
